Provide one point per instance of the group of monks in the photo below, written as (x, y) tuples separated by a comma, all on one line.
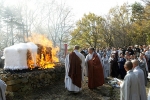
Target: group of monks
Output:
[(77, 66), (133, 85)]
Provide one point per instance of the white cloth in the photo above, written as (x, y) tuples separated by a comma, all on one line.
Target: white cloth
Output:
[(105, 66), (129, 88), (16, 56), (68, 81), (140, 75), (89, 57)]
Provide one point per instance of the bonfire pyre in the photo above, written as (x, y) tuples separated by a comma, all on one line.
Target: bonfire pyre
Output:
[(46, 52), (38, 53), (43, 58)]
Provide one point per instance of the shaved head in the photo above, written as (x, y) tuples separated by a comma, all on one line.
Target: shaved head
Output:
[(128, 65), (90, 50), (135, 63), (76, 47)]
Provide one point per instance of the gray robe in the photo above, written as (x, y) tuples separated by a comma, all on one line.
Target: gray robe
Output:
[(143, 66), (140, 74), (129, 88), (2, 90), (105, 66)]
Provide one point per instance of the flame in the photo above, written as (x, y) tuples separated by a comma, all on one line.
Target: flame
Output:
[(46, 54)]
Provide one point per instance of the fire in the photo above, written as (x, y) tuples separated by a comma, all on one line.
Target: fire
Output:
[(46, 53)]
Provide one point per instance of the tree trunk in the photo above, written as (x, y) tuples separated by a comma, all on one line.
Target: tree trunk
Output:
[(23, 33), (95, 44), (12, 38), (60, 49)]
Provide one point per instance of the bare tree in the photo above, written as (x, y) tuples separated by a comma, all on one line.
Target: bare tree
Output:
[(146, 1), (59, 22), (47, 17)]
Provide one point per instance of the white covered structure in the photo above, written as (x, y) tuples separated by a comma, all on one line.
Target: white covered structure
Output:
[(16, 56)]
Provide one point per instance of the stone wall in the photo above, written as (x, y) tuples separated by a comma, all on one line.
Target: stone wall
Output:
[(21, 83)]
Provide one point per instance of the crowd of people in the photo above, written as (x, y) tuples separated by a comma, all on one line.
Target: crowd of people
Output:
[(113, 59), (129, 63)]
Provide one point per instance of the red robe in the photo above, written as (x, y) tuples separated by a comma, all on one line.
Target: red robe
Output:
[(95, 72), (75, 72)]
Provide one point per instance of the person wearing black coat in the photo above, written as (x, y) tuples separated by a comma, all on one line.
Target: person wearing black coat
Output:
[(121, 62), (131, 52), (114, 69)]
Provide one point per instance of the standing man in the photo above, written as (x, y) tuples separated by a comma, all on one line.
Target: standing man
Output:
[(74, 65), (129, 88), (141, 48), (114, 69), (105, 65), (131, 52), (140, 75), (147, 54), (137, 50), (94, 69), (108, 53), (3, 87), (143, 66), (121, 62)]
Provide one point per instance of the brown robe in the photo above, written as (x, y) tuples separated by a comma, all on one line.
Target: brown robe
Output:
[(95, 72), (75, 72)]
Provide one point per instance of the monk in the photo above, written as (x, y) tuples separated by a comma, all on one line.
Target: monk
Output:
[(105, 65), (74, 65), (129, 87), (94, 69), (3, 87), (140, 75)]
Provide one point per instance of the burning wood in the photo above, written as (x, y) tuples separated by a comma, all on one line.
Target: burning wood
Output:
[(43, 58), (46, 53)]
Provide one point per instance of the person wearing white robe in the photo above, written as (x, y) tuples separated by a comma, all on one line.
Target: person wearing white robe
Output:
[(109, 60), (105, 66), (140, 74), (129, 87), (89, 57), (143, 66), (2, 90), (68, 81), (120, 51), (108, 53)]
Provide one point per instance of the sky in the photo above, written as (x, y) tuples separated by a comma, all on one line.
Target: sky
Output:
[(99, 7), (81, 7)]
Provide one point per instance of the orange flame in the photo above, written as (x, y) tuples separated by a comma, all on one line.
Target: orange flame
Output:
[(46, 54)]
